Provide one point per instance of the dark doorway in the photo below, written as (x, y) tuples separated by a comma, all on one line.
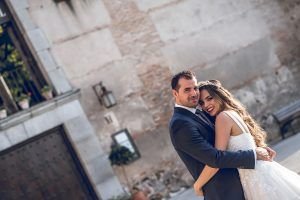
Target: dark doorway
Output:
[(43, 167)]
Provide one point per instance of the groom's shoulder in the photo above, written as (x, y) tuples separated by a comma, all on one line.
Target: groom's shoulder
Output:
[(179, 118), (178, 113)]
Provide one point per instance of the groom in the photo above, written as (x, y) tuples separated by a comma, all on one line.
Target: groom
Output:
[(193, 138)]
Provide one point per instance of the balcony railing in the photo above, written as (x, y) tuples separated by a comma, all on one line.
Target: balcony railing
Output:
[(16, 83)]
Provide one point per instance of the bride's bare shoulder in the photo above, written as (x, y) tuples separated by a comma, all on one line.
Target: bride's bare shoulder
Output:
[(223, 117)]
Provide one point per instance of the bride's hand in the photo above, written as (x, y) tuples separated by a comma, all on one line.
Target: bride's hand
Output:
[(271, 152), (200, 193), (262, 154), (198, 189)]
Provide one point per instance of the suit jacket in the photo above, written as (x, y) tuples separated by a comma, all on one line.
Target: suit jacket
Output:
[(194, 142)]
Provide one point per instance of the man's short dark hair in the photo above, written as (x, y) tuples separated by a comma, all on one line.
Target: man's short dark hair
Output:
[(186, 74)]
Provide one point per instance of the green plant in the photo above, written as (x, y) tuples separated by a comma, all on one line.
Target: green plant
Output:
[(46, 88), (14, 92), (23, 96), (121, 156)]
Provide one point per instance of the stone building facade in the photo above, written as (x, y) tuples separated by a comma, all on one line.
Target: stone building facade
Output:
[(52, 143), (135, 46)]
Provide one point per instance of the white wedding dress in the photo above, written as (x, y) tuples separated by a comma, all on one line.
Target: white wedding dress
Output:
[(269, 180)]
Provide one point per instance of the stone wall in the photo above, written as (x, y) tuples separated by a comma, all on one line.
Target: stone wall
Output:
[(135, 46), (64, 110)]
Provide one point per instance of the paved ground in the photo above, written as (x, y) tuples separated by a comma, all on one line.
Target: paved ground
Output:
[(288, 154)]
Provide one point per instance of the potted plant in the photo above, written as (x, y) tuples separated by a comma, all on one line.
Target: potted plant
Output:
[(3, 112), (138, 194), (47, 92), (121, 156), (23, 100)]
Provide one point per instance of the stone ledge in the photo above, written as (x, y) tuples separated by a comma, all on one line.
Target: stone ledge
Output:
[(17, 4), (38, 109), (38, 40)]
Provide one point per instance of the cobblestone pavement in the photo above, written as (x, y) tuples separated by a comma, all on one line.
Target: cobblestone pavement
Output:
[(288, 155)]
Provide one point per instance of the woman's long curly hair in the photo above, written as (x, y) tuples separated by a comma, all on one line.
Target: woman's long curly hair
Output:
[(227, 101)]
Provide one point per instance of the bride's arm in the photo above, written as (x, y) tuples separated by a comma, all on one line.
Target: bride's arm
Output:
[(223, 127)]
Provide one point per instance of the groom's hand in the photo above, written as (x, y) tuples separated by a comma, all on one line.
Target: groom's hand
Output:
[(262, 154)]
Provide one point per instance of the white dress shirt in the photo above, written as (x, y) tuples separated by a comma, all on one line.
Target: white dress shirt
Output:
[(193, 110)]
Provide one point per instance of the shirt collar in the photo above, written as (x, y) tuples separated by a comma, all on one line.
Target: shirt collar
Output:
[(193, 110)]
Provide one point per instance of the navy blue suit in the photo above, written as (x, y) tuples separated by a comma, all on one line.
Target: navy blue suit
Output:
[(194, 140)]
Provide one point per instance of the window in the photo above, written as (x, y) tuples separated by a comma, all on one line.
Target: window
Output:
[(19, 74), (123, 138)]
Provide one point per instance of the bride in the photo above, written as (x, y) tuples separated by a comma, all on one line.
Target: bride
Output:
[(236, 130)]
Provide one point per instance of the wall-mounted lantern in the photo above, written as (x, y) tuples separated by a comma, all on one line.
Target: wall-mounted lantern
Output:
[(105, 96)]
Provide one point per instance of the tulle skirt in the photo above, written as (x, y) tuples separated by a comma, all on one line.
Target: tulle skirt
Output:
[(270, 181)]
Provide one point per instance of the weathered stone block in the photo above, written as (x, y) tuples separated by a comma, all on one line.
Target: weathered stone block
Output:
[(89, 148), (99, 168), (36, 3), (58, 30), (110, 188), (47, 60), (4, 142), (79, 128), (139, 118), (91, 14), (16, 134), (191, 16), (85, 17), (38, 39), (25, 19), (38, 124), (17, 119), (19, 4), (145, 5), (243, 66), (83, 55), (59, 81), (211, 44), (42, 108), (70, 110)]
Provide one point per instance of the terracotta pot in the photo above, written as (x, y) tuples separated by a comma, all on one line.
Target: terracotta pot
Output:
[(47, 95), (139, 195), (3, 114), (24, 104)]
